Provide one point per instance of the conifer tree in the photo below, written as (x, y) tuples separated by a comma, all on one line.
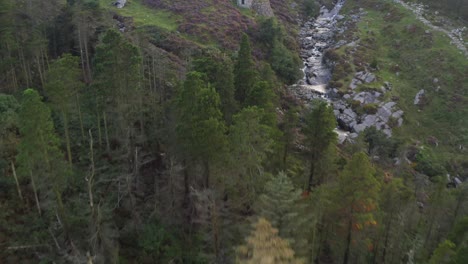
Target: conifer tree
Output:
[(357, 198), (321, 139), (219, 71), (245, 74), (39, 156), (63, 87), (9, 136), (250, 142), (117, 75), (265, 246), (200, 128), (277, 203)]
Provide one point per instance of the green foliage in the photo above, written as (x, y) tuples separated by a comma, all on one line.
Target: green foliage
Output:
[(443, 253), (200, 129), (8, 128), (311, 8), (63, 81), (357, 199), (428, 164), (245, 75), (159, 244), (219, 70), (379, 144), (320, 138), (249, 139), (459, 233), (285, 63), (39, 156), (277, 203)]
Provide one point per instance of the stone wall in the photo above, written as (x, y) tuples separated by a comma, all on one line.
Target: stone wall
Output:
[(262, 7), (245, 3)]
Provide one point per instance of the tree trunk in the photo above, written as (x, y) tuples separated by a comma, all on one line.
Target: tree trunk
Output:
[(206, 164), (311, 173), (16, 180), (80, 116), (348, 243), (35, 193), (106, 132), (67, 138), (90, 180), (215, 227), (387, 235)]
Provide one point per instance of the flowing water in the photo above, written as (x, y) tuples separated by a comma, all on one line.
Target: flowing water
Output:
[(316, 36)]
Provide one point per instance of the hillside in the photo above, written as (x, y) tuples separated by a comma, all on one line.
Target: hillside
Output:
[(222, 131)]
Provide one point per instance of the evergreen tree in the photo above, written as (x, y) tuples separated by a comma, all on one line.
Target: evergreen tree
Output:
[(39, 156), (9, 137), (321, 139), (277, 203), (63, 87), (357, 198), (245, 75), (117, 75), (250, 142), (219, 70), (265, 246), (200, 128), (394, 197)]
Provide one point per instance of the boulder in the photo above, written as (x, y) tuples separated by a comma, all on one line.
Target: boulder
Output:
[(419, 96)]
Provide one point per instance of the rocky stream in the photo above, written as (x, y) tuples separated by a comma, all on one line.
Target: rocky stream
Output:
[(316, 36)]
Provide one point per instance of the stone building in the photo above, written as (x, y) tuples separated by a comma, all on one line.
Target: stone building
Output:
[(245, 3), (262, 7)]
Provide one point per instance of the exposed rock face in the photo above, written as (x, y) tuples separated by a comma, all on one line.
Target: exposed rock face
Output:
[(360, 78)]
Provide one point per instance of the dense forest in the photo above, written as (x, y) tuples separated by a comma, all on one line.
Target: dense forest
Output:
[(166, 131)]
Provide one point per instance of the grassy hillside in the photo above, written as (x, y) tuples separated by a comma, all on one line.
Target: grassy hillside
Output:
[(143, 15), (412, 57)]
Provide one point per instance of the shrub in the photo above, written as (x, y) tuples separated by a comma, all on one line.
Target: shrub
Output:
[(370, 109)]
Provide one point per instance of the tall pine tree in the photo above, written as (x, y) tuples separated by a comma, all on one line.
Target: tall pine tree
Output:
[(245, 75), (321, 140), (39, 156)]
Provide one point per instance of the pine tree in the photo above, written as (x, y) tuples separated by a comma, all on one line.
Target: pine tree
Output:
[(357, 198), (117, 75), (63, 87), (321, 140), (265, 246), (200, 128), (9, 136), (219, 71), (245, 74), (39, 156), (277, 203)]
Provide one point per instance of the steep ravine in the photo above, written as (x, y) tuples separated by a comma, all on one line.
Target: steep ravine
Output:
[(316, 36)]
